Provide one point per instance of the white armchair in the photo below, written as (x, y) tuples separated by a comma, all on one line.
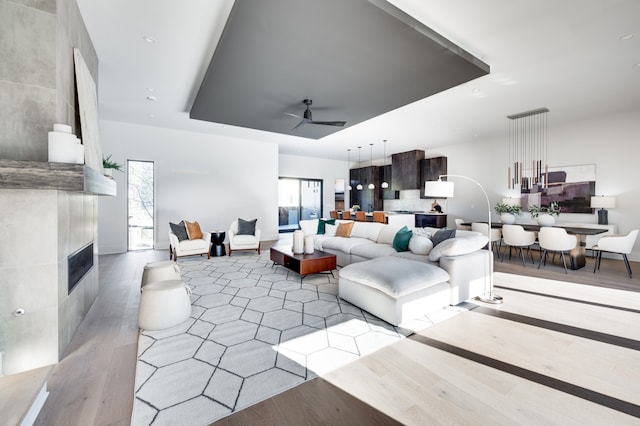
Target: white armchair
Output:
[(189, 247), (242, 242), (516, 236), (555, 240), (621, 244)]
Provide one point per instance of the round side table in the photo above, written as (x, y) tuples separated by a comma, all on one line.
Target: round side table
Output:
[(217, 243)]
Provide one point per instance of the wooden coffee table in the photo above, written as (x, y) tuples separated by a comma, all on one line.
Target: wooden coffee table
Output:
[(304, 264)]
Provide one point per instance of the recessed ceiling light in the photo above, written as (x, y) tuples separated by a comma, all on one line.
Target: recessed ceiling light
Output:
[(149, 39), (151, 98), (152, 116), (628, 36), (149, 89)]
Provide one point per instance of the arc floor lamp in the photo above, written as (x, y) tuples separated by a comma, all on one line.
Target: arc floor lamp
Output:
[(444, 189)]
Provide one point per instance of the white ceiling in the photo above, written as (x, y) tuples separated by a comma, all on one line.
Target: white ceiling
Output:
[(567, 56)]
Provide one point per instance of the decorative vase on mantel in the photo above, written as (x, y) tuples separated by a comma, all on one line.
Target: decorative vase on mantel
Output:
[(545, 219), (508, 218)]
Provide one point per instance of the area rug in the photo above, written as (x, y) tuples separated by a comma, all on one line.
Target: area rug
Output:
[(255, 330)]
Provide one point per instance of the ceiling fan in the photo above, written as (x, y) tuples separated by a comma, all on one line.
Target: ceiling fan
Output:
[(306, 118)]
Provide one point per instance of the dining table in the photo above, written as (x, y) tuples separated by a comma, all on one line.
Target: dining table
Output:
[(577, 253)]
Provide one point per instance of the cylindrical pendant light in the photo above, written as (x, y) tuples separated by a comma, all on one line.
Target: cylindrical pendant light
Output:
[(359, 187), (371, 185), (349, 168), (384, 184)]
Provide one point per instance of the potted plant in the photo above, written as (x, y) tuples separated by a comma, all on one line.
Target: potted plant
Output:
[(508, 212), (545, 215), (355, 207), (109, 166)]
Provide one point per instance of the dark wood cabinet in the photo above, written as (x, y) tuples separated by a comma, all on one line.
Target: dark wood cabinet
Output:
[(368, 199), (431, 220), (431, 169), (388, 193), (405, 170)]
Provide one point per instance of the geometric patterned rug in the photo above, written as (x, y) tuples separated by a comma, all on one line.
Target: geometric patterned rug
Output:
[(255, 331)]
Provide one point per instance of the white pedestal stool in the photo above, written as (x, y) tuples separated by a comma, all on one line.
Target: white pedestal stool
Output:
[(164, 304), (160, 271)]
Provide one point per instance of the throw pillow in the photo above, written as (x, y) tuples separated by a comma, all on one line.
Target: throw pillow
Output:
[(179, 230), (344, 229), (330, 230), (322, 223), (402, 238), (441, 235), (193, 230), (420, 244), (247, 227)]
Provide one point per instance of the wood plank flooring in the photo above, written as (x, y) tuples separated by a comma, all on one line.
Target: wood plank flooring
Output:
[(93, 384)]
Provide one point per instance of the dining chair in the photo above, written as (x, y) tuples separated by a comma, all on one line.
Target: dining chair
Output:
[(495, 240), (556, 240), (516, 236), (620, 244), (459, 224)]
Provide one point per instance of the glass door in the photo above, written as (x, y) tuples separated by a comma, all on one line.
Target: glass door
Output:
[(140, 204), (298, 199)]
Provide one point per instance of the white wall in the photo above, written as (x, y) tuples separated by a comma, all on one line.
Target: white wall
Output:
[(611, 143), (316, 168), (198, 177)]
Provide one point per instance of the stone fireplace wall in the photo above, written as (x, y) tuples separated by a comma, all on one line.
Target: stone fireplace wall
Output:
[(40, 228)]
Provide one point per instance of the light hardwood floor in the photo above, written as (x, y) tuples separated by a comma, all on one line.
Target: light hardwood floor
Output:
[(93, 384)]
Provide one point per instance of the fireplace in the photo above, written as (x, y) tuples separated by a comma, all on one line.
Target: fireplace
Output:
[(79, 263)]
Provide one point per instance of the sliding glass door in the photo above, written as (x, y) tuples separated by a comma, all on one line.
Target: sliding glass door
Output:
[(298, 198)]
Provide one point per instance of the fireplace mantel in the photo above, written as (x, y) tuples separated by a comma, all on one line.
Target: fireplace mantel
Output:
[(16, 174)]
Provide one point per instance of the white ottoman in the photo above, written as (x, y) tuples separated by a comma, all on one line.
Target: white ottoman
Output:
[(164, 304), (395, 289), (160, 271)]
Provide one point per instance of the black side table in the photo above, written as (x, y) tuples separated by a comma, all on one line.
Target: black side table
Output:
[(217, 243)]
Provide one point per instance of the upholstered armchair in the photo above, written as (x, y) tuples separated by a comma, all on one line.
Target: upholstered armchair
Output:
[(242, 239), (620, 244), (181, 245)]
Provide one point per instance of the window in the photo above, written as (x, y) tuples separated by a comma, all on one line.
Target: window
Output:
[(298, 199), (140, 204)]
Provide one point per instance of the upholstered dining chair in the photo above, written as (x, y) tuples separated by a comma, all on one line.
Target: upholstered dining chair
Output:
[(495, 240), (555, 240), (459, 224), (243, 239), (516, 236), (378, 216), (620, 244)]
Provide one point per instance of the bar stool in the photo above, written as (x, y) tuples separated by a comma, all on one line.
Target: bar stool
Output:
[(346, 215), (361, 216), (378, 216)]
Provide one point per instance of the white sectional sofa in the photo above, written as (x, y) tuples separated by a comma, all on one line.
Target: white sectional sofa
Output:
[(466, 264)]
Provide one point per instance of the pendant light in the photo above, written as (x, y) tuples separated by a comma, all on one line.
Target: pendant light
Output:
[(385, 184), (371, 185), (359, 187), (349, 168)]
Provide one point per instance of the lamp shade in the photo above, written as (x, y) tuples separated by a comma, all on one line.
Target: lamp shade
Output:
[(438, 189), (602, 202)]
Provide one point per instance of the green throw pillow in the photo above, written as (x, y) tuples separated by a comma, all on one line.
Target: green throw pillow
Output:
[(322, 223), (402, 238)]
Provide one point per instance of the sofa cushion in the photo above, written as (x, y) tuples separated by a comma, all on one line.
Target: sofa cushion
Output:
[(387, 234), (322, 223), (420, 244), (188, 245), (179, 230), (368, 230), (394, 276), (309, 226), (344, 229), (372, 251), (193, 230), (441, 235), (247, 227), (344, 244), (402, 238), (458, 246)]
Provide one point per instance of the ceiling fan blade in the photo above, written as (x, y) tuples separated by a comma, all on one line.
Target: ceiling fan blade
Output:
[(298, 125), (330, 123), (293, 115)]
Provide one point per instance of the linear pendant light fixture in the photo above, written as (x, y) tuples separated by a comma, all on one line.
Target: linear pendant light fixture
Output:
[(359, 187), (384, 184), (371, 185), (528, 166), (349, 168)]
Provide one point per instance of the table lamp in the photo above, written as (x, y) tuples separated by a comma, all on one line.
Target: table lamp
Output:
[(601, 202)]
